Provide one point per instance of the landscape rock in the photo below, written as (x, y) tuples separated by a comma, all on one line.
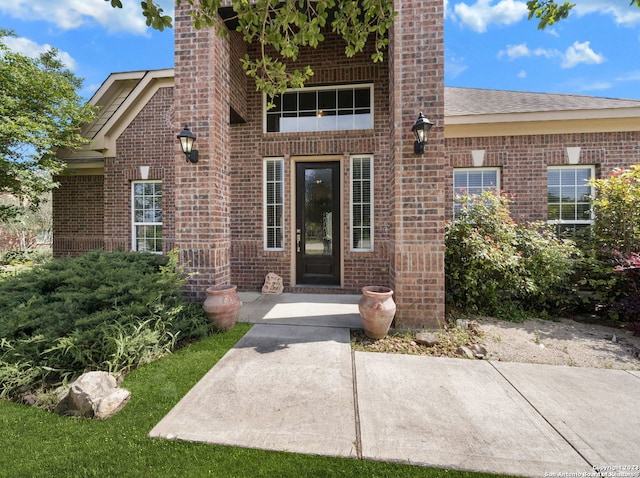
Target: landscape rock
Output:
[(93, 395), (462, 324), (427, 338), (478, 349), (465, 352), (273, 284)]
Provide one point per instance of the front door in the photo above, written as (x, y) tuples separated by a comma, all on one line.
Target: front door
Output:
[(318, 223)]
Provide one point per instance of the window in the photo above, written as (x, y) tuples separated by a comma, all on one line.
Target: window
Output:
[(321, 109), (273, 204), (568, 198), (146, 208), (467, 182), (361, 203)]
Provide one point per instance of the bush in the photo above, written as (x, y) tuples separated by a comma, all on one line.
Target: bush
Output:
[(496, 266), (28, 257), (616, 208), (616, 245), (106, 311)]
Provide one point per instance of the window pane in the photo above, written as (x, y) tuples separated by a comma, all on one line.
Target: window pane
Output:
[(472, 182), (290, 102), (321, 109), (147, 216), (327, 99), (274, 203), (307, 101), (568, 198), (345, 99), (363, 98), (361, 207)]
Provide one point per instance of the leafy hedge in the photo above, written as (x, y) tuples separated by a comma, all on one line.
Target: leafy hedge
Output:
[(107, 311), (496, 266)]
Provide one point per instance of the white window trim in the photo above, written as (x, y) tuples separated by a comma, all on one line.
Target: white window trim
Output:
[(351, 245), (319, 88), (265, 161), (482, 168), (474, 170), (586, 222), (134, 223)]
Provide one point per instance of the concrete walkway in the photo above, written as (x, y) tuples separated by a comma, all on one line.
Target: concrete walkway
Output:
[(293, 384)]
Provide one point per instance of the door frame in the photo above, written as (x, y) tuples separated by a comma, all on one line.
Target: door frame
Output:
[(293, 160)]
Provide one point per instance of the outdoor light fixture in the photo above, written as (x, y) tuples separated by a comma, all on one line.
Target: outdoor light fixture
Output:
[(421, 129), (187, 138)]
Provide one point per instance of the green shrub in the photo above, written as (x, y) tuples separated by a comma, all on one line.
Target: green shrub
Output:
[(28, 256), (496, 266), (107, 311), (616, 207)]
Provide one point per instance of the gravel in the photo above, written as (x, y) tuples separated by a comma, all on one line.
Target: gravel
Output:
[(562, 342)]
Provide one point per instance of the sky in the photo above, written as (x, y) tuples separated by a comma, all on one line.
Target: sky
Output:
[(488, 43)]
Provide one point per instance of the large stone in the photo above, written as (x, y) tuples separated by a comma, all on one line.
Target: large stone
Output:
[(427, 338), (465, 352), (93, 395), (272, 284)]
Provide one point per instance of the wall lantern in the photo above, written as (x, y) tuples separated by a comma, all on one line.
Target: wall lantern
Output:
[(187, 138), (421, 129)]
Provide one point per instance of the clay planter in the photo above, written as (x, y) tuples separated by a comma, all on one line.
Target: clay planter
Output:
[(222, 305), (377, 309)]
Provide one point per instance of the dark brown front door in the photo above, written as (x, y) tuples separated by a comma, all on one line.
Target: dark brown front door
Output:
[(318, 223)]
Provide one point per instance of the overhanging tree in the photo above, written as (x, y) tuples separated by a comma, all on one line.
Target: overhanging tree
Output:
[(40, 112), (283, 27), (548, 12)]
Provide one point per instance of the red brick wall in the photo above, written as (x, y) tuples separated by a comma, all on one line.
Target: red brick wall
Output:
[(417, 184), (148, 141), (202, 190), (249, 262), (78, 205), (94, 212), (523, 162)]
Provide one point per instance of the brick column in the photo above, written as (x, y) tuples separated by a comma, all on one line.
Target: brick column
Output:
[(416, 56), (202, 189)]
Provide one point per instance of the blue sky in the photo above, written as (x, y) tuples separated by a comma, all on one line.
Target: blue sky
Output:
[(488, 43)]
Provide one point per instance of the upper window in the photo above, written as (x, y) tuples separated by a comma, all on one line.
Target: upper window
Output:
[(321, 109), (569, 197), (470, 182), (361, 203), (146, 205)]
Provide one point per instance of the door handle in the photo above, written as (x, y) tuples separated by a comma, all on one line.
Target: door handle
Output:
[(298, 238)]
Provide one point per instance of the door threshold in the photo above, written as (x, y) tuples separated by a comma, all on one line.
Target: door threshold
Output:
[(321, 289)]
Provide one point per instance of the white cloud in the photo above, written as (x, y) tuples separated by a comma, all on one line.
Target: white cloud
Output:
[(522, 50), (581, 53), (482, 13), (596, 86), (32, 49), (631, 76), (71, 14), (522, 74), (515, 51), (623, 13), (454, 66), (574, 55)]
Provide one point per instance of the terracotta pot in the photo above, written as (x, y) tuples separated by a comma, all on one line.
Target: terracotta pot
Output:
[(222, 305), (377, 310)]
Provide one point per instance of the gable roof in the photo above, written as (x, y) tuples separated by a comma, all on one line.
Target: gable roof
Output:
[(483, 112), (119, 99)]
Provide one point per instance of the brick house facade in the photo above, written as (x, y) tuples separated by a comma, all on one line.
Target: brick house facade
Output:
[(220, 212)]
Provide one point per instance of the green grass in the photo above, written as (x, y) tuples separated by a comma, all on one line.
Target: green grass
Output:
[(34, 443)]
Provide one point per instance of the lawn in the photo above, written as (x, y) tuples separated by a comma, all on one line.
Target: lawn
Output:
[(35, 443)]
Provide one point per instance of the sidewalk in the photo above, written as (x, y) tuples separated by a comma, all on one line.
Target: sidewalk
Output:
[(298, 387)]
